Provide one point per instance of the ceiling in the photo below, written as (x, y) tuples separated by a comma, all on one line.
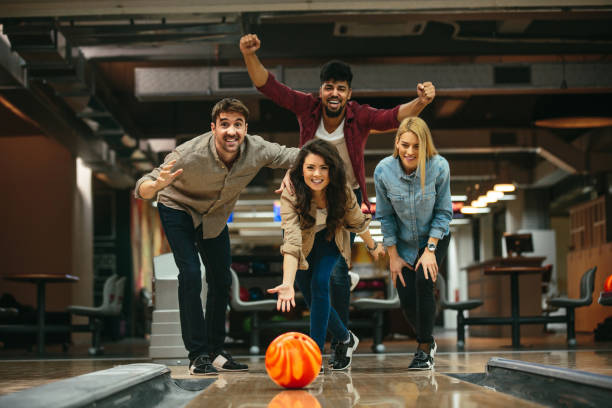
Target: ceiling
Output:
[(119, 82)]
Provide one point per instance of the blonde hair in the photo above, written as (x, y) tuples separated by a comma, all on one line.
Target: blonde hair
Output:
[(417, 126)]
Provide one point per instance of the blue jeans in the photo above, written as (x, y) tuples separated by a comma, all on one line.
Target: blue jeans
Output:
[(314, 284), (201, 334), (341, 283)]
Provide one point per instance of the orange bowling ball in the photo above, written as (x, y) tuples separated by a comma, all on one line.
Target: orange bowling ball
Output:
[(294, 399), (293, 360), (608, 284)]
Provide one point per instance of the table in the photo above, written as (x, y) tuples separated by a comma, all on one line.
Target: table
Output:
[(40, 279), (515, 272), (495, 293)]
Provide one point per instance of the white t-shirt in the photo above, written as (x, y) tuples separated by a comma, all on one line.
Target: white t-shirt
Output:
[(337, 139)]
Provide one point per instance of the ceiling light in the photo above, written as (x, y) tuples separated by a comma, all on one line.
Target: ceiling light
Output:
[(576, 122), (486, 199), (495, 194), (504, 188), (474, 210), (508, 197), (478, 204), (457, 198)]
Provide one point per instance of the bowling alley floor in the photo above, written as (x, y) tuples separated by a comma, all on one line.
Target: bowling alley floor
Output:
[(374, 380)]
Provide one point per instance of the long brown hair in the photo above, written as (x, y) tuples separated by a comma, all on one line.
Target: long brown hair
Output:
[(335, 192), (427, 149)]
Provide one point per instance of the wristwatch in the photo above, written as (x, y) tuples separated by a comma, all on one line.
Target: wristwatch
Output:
[(431, 247)]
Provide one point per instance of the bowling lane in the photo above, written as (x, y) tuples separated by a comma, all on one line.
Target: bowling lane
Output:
[(372, 382)]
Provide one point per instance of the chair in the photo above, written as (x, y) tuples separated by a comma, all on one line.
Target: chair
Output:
[(378, 307), (112, 302), (546, 277), (459, 307), (587, 286), (253, 307)]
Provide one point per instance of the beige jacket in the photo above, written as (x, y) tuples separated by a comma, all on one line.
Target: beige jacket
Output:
[(298, 242)]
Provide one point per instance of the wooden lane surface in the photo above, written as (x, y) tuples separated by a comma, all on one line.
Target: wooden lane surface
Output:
[(391, 387)]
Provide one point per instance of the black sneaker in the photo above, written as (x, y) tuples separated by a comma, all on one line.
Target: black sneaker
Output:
[(223, 361), (331, 356), (201, 365), (422, 360), (343, 354)]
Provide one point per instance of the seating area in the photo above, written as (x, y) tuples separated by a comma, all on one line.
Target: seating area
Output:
[(377, 307), (587, 287), (112, 302)]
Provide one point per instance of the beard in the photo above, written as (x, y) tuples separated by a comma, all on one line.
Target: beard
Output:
[(334, 114)]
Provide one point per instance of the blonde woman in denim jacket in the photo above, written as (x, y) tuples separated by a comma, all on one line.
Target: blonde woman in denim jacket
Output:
[(413, 204)]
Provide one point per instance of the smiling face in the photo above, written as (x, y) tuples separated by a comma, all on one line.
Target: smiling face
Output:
[(334, 96), (316, 172), (229, 130), (407, 145)]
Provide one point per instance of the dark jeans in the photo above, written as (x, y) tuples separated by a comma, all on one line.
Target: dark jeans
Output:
[(417, 297), (340, 285), (201, 334), (314, 285)]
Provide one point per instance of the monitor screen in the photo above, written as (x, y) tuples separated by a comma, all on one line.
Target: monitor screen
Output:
[(516, 244)]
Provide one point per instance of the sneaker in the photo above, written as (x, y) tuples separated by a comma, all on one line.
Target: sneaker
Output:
[(422, 360), (331, 354), (201, 365), (223, 361), (343, 354), (432, 349)]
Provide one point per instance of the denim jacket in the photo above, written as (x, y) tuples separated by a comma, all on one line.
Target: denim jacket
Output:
[(409, 216)]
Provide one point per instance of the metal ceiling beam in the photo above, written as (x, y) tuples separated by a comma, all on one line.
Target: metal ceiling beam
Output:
[(37, 101), (398, 79), (561, 154), (37, 8)]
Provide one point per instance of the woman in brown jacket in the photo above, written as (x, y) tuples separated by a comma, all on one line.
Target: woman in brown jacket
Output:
[(316, 222)]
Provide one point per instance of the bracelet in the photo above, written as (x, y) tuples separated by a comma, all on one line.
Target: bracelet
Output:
[(372, 249)]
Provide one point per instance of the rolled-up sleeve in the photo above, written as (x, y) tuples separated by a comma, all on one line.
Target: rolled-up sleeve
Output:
[(384, 210), (355, 220), (286, 97), (443, 207), (155, 173), (290, 224), (279, 156), (379, 119)]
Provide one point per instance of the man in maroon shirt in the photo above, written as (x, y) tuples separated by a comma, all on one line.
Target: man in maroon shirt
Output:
[(332, 116)]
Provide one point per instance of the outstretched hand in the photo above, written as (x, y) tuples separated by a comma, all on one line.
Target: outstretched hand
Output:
[(286, 297), (426, 92), (249, 44), (166, 176)]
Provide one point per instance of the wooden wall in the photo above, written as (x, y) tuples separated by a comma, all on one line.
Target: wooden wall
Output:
[(578, 262), (37, 184), (589, 248)]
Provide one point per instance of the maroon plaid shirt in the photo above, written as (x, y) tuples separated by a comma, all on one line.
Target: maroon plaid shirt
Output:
[(359, 120)]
